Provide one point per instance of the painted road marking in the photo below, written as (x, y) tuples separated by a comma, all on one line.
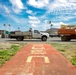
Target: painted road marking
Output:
[(38, 52), (22, 73), (37, 45), (47, 60), (38, 49), (29, 59)]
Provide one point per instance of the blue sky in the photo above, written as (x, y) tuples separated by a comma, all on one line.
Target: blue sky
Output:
[(36, 13)]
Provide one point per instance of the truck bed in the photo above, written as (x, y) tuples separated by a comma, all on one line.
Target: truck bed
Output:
[(67, 31), (17, 34), (20, 33)]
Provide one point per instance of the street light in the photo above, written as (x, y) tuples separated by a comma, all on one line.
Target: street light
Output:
[(9, 27), (50, 25), (4, 24), (4, 30), (49, 22), (18, 28)]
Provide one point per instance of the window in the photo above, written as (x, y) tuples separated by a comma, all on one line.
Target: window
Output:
[(36, 31)]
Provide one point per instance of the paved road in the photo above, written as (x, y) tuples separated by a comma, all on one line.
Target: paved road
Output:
[(50, 40), (38, 59)]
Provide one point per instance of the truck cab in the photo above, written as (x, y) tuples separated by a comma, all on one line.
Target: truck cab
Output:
[(36, 34), (40, 35)]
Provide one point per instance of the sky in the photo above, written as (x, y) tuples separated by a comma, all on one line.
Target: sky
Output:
[(36, 14)]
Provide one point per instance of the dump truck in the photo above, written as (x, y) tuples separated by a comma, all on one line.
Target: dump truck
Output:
[(67, 32), (31, 34)]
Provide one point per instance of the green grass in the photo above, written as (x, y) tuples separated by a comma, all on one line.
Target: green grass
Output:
[(67, 50), (73, 61), (60, 47), (5, 55)]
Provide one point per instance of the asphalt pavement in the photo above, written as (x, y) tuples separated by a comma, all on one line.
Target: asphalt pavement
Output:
[(50, 40)]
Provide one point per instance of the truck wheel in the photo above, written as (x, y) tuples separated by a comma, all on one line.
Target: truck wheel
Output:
[(19, 38), (64, 38), (44, 38)]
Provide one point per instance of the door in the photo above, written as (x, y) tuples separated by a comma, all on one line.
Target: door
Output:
[(36, 34)]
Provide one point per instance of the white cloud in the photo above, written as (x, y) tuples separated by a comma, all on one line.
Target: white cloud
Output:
[(38, 3), (6, 10), (17, 5), (63, 10), (72, 0), (58, 24), (33, 26), (60, 5), (63, 18), (56, 5), (45, 25), (34, 21), (29, 11), (46, 21), (13, 28), (32, 17), (61, 23), (18, 20)]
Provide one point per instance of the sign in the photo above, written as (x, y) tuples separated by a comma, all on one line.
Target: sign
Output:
[(7, 32)]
